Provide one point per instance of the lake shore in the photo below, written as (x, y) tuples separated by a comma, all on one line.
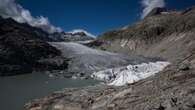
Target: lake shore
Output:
[(20, 89)]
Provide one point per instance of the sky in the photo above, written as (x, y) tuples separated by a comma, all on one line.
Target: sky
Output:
[(95, 16)]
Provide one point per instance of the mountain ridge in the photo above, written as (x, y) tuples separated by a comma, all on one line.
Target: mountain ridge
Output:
[(23, 48), (145, 35)]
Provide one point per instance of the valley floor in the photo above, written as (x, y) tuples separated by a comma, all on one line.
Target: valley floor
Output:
[(103, 96), (172, 89)]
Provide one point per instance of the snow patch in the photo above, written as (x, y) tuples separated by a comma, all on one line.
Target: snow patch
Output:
[(130, 74), (81, 30), (123, 43), (85, 42)]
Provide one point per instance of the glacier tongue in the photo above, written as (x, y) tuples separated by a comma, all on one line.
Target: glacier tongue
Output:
[(130, 74)]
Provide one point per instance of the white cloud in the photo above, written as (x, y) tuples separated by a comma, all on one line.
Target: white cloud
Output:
[(151, 4), (81, 30), (9, 8)]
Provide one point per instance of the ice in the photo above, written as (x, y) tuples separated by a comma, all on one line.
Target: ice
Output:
[(131, 73), (88, 60)]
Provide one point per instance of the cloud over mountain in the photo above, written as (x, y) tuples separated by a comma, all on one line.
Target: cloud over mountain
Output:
[(9, 8), (148, 5)]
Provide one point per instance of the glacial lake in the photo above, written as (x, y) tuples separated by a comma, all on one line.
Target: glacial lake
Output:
[(17, 90)]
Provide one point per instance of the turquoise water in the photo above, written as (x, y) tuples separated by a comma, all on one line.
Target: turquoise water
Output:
[(18, 90)]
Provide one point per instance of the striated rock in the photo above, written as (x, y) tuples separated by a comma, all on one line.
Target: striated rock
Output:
[(184, 67)]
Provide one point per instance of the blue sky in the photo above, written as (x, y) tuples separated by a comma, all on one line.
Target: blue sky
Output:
[(95, 16)]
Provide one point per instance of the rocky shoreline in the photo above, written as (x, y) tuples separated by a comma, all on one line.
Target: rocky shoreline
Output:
[(172, 89)]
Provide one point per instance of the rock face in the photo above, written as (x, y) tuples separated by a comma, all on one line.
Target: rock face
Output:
[(166, 35), (23, 48), (169, 35)]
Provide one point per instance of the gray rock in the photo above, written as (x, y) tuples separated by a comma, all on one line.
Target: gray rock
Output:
[(24, 49)]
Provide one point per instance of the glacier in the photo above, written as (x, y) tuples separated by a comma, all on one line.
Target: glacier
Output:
[(130, 74), (85, 60)]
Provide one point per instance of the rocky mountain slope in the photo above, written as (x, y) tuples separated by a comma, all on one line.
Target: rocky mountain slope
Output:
[(24, 49), (169, 35)]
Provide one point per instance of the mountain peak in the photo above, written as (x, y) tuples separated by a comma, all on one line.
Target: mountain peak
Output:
[(156, 11), (73, 36), (81, 31), (189, 10)]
